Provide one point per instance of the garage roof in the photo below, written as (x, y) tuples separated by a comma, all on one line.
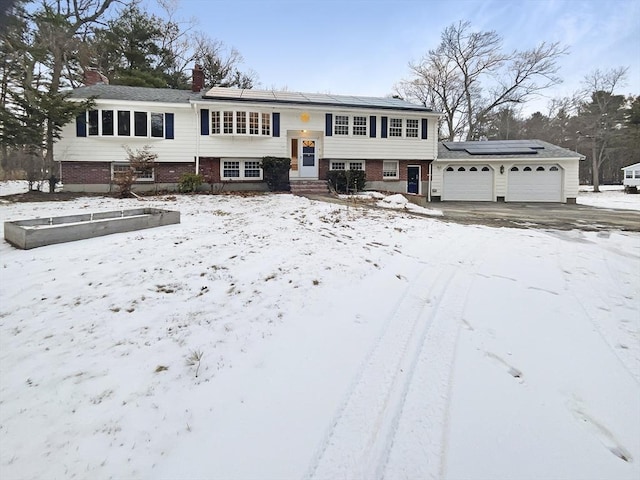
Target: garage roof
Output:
[(537, 149)]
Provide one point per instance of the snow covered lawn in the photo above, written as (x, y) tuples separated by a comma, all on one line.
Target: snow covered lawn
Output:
[(333, 342), (610, 196)]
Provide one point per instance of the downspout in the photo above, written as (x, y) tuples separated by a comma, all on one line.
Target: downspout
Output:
[(435, 158), (429, 183), (195, 112)]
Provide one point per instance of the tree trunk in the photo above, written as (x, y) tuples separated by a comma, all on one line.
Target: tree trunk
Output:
[(595, 166)]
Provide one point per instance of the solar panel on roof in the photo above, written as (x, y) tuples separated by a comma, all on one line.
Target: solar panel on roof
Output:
[(224, 93), (504, 151), (495, 147)]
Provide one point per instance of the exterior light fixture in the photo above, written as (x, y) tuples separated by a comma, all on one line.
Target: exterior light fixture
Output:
[(501, 169)]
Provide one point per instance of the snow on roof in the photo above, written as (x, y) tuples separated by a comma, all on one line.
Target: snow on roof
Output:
[(635, 166)]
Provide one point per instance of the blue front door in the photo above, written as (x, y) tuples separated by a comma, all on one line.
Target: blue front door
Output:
[(413, 180)]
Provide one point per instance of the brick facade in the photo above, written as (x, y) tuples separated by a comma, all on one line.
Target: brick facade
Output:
[(374, 170), (210, 169), (85, 172), (90, 173), (171, 172), (323, 169)]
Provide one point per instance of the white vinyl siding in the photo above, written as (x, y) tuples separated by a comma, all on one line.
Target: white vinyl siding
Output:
[(100, 148)]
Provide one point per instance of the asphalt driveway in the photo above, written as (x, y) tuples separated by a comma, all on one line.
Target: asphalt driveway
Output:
[(557, 216), (539, 215)]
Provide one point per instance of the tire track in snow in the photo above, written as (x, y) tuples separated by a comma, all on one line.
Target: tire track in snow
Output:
[(360, 440), (418, 447)]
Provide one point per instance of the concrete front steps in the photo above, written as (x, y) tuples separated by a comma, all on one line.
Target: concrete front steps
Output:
[(305, 187)]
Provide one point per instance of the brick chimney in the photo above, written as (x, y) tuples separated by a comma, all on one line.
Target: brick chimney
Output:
[(93, 77), (197, 82)]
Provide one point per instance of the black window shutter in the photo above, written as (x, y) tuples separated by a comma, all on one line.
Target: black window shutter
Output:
[(383, 127), (372, 126), (425, 128), (328, 124), (204, 121), (81, 125), (276, 124), (168, 126)]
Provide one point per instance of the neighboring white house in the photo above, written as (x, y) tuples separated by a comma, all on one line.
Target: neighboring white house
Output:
[(505, 170), (631, 180)]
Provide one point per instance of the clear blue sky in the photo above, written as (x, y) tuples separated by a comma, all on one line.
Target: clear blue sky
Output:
[(362, 47)]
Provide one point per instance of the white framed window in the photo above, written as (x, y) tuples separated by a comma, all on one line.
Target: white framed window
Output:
[(240, 170), (123, 168), (390, 169), (360, 126), (341, 125), (412, 128), (252, 169), (395, 127), (215, 123), (227, 122), (230, 169), (254, 123), (346, 165), (266, 124), (241, 122)]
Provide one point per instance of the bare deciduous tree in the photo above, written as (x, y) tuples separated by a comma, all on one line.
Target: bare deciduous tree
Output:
[(469, 76), (601, 114), (140, 162)]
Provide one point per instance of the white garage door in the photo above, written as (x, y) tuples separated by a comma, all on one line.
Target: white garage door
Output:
[(534, 183), (474, 183)]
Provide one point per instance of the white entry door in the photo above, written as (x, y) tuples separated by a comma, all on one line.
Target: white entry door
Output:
[(308, 158)]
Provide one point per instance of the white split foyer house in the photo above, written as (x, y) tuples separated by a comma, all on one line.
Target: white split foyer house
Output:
[(225, 132)]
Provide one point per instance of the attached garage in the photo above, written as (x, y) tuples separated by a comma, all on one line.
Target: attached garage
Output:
[(504, 171), (468, 183), (534, 183)]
